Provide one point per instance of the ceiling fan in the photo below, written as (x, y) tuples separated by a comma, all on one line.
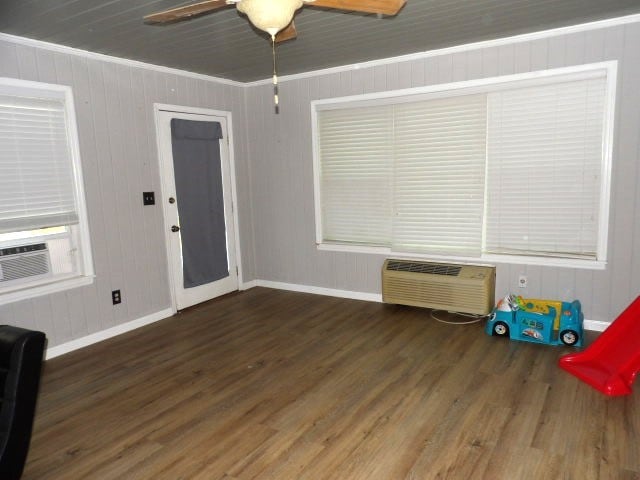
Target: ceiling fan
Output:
[(274, 16)]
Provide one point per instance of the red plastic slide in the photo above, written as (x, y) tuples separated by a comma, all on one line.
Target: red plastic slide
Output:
[(611, 363)]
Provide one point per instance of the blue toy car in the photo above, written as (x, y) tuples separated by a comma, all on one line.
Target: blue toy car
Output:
[(550, 322)]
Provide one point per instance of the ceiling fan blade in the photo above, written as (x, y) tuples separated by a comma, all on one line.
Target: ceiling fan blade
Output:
[(385, 7), (287, 33), (185, 12)]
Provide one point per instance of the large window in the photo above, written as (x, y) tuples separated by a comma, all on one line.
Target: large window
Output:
[(514, 168), (44, 241)]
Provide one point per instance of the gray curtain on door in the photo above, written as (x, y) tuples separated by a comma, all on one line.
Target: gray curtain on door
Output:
[(199, 195)]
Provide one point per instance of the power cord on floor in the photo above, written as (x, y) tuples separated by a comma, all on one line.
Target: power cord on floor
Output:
[(476, 318)]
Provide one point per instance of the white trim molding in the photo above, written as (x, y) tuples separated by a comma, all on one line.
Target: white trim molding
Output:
[(78, 232), (52, 352), (248, 285), (592, 325), (525, 37), (329, 292), (78, 343), (55, 286), (595, 325), (491, 260), (166, 173), (554, 32), (485, 86), (54, 47)]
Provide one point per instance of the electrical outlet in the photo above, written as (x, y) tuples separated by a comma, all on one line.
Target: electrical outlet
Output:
[(522, 281), (115, 297)]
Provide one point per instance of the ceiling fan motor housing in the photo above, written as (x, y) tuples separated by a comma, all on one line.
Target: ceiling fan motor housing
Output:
[(270, 16)]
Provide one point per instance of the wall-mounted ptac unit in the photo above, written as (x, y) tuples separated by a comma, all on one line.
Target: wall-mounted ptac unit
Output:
[(441, 286), (24, 263)]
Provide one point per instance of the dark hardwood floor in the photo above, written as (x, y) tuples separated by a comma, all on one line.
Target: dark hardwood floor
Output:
[(266, 384)]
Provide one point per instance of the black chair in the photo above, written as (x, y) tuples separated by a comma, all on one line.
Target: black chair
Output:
[(21, 353)]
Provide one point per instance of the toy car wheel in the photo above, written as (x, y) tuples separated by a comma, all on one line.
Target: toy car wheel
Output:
[(569, 337), (501, 329)]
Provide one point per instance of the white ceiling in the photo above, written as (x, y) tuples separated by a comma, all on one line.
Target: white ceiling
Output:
[(223, 44)]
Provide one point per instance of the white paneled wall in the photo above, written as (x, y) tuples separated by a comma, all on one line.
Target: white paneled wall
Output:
[(114, 107), (273, 159), (282, 180)]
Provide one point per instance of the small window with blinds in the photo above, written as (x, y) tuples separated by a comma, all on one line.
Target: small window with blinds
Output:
[(515, 169), (42, 213), (357, 178), (545, 169)]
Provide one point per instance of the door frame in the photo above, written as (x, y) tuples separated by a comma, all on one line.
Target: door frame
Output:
[(162, 159)]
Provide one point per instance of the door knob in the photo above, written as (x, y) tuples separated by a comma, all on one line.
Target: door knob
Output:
[(172, 200), (175, 228)]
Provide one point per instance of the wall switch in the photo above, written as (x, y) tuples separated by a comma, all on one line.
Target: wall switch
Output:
[(522, 281), (115, 297), (148, 198)]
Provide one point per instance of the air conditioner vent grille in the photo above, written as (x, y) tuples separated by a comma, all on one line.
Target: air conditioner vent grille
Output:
[(457, 288), (17, 263), (422, 267)]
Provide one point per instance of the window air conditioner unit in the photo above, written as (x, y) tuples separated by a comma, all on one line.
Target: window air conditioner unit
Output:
[(24, 263), (441, 286)]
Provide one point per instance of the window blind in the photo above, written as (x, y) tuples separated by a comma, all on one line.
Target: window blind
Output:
[(545, 147), (356, 174), (36, 169), (440, 156), (517, 168)]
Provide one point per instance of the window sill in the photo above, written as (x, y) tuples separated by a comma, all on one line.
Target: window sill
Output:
[(485, 259), (28, 292)]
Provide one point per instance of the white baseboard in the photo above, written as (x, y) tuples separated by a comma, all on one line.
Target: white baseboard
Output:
[(248, 285), (330, 292), (593, 325), (108, 333)]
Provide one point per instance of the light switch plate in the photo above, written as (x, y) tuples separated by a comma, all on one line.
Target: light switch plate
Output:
[(148, 198)]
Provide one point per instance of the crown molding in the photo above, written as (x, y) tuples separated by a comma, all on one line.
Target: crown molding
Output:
[(525, 37), (54, 47)]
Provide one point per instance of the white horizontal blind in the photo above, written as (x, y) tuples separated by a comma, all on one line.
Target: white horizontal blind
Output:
[(545, 147), (36, 170), (517, 169), (356, 151), (440, 157)]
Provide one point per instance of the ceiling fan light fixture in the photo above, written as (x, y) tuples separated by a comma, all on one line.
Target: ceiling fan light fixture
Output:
[(274, 16), (270, 16)]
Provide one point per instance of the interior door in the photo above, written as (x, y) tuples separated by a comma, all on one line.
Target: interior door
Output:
[(197, 205)]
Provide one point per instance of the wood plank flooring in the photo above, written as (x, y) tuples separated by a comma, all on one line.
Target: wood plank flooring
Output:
[(266, 384)]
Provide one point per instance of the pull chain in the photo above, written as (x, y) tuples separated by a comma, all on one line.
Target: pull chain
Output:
[(275, 75)]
